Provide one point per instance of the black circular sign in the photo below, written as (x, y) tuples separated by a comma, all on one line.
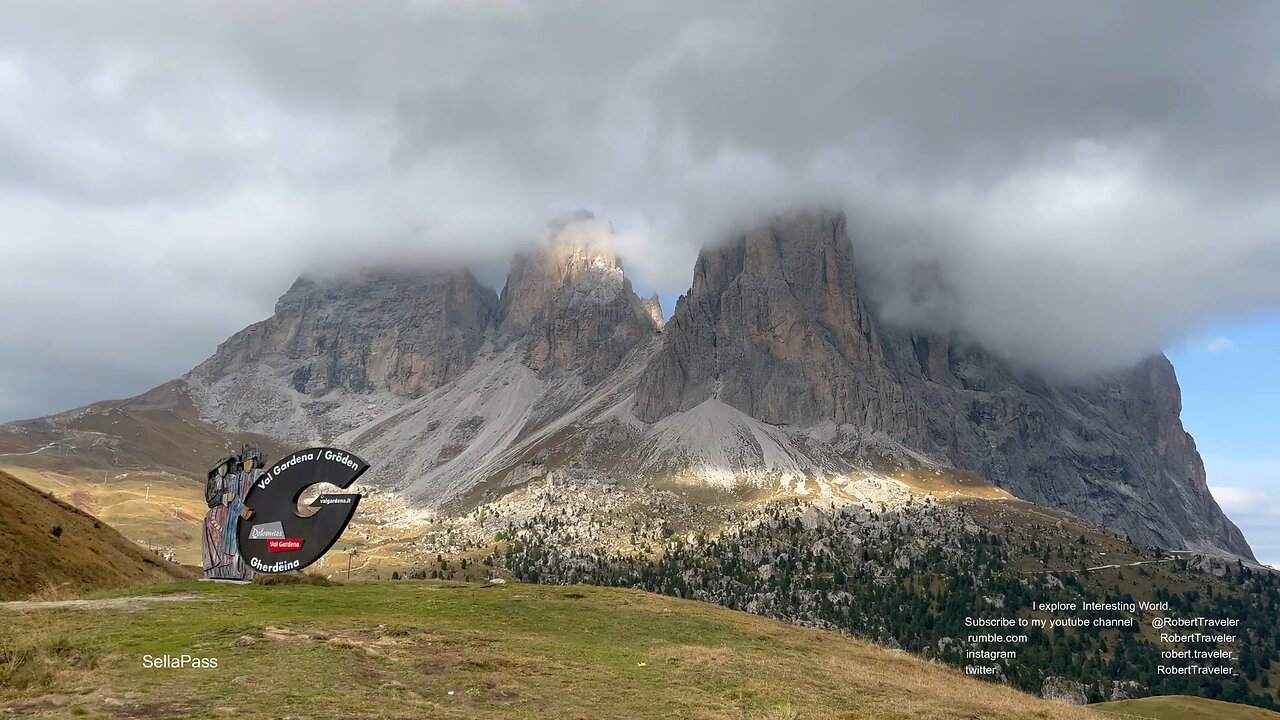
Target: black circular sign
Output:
[(276, 539)]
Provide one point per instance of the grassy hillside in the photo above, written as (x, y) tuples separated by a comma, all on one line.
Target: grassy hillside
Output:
[(46, 544), (138, 464), (159, 431), (413, 649), (155, 511), (1182, 707)]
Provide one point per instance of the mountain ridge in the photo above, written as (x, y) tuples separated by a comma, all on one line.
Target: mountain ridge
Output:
[(773, 371), (775, 326)]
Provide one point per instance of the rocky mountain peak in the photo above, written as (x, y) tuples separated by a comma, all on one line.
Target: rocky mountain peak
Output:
[(773, 325), (653, 306), (576, 262), (399, 333), (571, 303)]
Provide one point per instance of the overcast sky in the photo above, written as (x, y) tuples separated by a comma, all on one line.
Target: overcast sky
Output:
[(1085, 182)]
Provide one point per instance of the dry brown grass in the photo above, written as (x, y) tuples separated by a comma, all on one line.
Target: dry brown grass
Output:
[(950, 483), (51, 591), (709, 659), (41, 658), (157, 510), (50, 549)]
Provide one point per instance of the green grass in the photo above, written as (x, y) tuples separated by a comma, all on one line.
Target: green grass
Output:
[(415, 649), (1183, 707)]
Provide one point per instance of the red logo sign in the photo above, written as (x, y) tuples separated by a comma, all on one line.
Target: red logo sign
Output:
[(284, 545)]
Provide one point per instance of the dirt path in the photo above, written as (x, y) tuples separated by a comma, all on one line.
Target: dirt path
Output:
[(125, 603), (33, 452), (1125, 565)]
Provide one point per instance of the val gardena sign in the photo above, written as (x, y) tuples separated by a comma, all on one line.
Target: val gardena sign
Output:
[(254, 525)]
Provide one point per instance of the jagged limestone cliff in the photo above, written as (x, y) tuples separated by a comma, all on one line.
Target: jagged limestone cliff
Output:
[(571, 305), (774, 372), (775, 326), (303, 373)]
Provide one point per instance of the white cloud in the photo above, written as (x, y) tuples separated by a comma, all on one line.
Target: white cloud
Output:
[(1078, 210), (1244, 502), (1219, 343), (1268, 555), (1248, 491)]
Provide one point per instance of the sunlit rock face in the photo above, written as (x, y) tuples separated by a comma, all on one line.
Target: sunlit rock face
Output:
[(571, 304)]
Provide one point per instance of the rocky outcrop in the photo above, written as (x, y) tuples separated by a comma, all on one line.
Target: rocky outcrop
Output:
[(653, 308), (383, 334), (572, 306), (774, 326), (569, 330), (1064, 690), (405, 333), (1112, 451)]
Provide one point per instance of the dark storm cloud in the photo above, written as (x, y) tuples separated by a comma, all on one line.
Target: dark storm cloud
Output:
[(1074, 185)]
